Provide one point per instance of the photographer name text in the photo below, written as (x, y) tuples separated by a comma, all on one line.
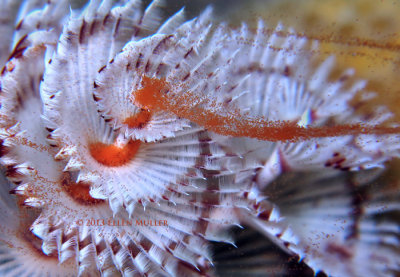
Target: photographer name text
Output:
[(121, 222)]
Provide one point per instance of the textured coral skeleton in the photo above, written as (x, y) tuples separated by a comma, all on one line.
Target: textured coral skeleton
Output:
[(114, 111)]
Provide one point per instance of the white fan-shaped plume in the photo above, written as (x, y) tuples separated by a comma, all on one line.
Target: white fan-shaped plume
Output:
[(123, 170), (40, 15), (344, 223), (264, 216), (29, 160), (115, 85), (21, 17), (21, 126), (8, 14), (154, 240), (188, 60), (114, 92), (69, 215), (353, 152), (20, 250), (277, 77)]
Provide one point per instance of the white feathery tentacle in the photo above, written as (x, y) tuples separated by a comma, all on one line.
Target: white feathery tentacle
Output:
[(8, 15), (40, 15), (20, 250), (343, 222), (160, 56), (276, 77)]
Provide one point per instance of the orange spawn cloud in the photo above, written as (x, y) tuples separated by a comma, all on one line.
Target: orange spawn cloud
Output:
[(112, 155), (154, 96), (80, 192), (138, 120)]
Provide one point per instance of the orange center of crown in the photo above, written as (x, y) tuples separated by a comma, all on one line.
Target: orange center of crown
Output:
[(112, 155)]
